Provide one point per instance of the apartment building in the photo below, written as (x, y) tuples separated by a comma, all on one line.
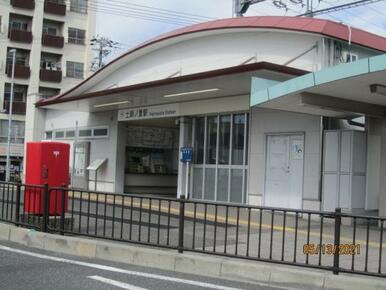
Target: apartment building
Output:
[(51, 38)]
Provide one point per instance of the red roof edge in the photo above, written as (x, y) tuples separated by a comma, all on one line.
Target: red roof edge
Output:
[(308, 25)]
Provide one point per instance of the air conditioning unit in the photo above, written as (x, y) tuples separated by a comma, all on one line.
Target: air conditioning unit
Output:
[(349, 57)]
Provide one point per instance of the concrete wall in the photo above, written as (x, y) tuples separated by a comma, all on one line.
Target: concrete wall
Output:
[(263, 122)]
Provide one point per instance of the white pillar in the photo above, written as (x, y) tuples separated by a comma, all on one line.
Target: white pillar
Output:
[(185, 141), (374, 146), (34, 124), (382, 170), (120, 158)]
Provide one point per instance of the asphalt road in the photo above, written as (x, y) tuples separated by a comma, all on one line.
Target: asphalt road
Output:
[(24, 268)]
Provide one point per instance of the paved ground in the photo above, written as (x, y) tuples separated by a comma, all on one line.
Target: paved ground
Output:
[(23, 268), (217, 230)]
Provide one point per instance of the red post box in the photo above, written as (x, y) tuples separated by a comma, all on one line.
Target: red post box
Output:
[(47, 162)]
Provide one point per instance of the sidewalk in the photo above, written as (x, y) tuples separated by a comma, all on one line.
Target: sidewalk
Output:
[(226, 268), (252, 241)]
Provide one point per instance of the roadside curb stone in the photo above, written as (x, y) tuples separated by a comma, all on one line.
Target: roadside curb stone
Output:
[(206, 265)]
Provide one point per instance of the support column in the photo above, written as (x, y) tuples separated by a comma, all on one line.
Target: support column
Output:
[(382, 171), (120, 158), (185, 141), (374, 147), (34, 124)]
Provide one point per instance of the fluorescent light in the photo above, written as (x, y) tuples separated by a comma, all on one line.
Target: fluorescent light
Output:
[(191, 93), (111, 104), (378, 89)]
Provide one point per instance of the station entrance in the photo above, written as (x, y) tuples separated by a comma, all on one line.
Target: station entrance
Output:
[(151, 157)]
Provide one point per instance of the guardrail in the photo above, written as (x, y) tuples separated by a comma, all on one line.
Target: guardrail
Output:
[(334, 241)]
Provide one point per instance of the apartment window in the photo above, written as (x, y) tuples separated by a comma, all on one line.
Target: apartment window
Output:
[(17, 131), (78, 6), (76, 36), (49, 30), (50, 65), (19, 93), (75, 70), (19, 25), (21, 58)]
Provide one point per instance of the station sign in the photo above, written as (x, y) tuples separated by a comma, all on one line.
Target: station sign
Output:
[(186, 155), (152, 112)]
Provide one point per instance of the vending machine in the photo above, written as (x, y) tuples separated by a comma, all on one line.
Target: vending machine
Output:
[(46, 163)]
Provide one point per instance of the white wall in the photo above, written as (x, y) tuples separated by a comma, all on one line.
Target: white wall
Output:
[(219, 50), (110, 148), (269, 121)]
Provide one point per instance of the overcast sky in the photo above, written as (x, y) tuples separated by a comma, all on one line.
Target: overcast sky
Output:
[(115, 18)]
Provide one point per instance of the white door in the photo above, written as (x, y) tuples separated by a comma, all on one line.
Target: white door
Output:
[(284, 171)]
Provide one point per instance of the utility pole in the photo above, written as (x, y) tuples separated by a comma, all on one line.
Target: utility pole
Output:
[(309, 9), (8, 164), (104, 46), (240, 7)]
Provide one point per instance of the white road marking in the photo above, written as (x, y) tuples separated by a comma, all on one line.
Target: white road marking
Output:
[(116, 283), (118, 270)]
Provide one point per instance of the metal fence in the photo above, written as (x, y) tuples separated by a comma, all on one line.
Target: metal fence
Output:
[(333, 241)]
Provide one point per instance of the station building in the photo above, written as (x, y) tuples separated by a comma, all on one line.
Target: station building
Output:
[(280, 111)]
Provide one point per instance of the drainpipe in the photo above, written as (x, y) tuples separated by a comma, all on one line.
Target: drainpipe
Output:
[(349, 41)]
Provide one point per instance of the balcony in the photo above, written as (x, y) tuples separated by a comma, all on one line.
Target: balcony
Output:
[(53, 41), (21, 71), (18, 108), (24, 4), (55, 7), (53, 76), (20, 35)]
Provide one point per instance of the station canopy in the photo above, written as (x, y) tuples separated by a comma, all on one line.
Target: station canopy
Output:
[(231, 81), (348, 90)]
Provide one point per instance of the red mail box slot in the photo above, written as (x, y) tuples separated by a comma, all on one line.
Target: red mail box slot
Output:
[(47, 162)]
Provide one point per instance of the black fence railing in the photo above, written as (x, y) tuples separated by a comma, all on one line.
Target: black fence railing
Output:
[(333, 241)]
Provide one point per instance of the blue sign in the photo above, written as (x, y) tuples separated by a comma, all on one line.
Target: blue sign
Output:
[(186, 154)]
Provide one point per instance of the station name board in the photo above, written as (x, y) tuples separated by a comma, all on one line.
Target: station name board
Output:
[(140, 113)]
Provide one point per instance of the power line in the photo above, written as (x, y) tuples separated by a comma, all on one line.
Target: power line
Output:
[(154, 9), (142, 13), (191, 15), (339, 7), (142, 16), (360, 18), (124, 9)]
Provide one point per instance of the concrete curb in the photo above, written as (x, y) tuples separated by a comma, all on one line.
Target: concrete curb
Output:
[(206, 265)]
